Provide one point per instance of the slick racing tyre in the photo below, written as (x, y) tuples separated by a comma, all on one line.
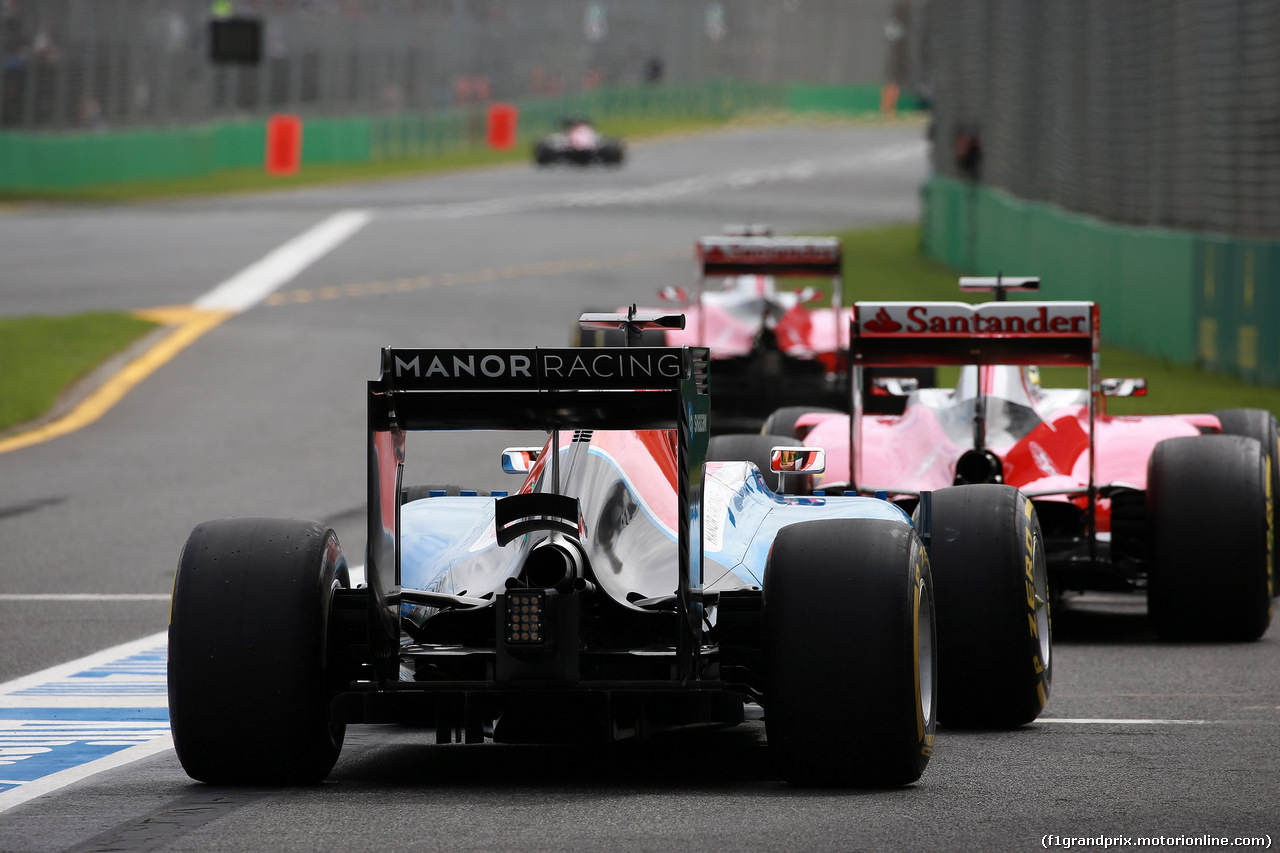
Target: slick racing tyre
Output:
[(849, 653), (248, 652), (990, 580), (1211, 546), (750, 447), (1262, 425), (783, 421), (881, 404)]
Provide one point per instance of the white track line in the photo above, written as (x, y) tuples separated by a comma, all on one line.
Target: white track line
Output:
[(28, 790), (259, 280), (84, 596)]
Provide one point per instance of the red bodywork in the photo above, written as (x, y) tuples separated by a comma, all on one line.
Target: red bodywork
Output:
[(1041, 436)]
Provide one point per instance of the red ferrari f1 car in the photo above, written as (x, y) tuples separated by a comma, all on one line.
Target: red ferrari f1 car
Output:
[(771, 347), (626, 587), (1178, 506)]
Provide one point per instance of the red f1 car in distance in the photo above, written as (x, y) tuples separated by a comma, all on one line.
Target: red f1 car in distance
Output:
[(772, 349), (628, 587), (1178, 506), (578, 144)]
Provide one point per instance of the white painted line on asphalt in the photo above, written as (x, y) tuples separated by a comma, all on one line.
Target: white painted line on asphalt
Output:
[(259, 280), (47, 784), (1101, 721), (66, 723), (84, 596), (800, 170)]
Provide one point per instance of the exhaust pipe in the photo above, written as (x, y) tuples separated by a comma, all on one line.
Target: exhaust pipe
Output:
[(555, 564)]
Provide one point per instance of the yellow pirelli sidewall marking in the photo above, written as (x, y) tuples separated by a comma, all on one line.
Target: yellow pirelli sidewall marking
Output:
[(915, 625), (1271, 530), (188, 325)]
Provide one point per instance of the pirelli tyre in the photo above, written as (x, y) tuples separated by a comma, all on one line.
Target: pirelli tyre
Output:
[(991, 586), (783, 421), (249, 687), (751, 447), (1262, 425), (849, 653), (1211, 541)]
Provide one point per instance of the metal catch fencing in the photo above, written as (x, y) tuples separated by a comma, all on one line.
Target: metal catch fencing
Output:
[(76, 65), (1140, 112)]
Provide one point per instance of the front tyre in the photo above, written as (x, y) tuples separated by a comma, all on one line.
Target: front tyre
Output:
[(991, 582), (849, 652), (248, 652)]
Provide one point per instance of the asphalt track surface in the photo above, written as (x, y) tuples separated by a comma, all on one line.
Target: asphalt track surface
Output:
[(263, 414)]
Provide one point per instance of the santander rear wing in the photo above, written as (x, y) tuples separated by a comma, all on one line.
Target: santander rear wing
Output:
[(775, 256), (938, 333)]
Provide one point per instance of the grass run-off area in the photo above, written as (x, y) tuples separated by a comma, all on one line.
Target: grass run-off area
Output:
[(42, 356)]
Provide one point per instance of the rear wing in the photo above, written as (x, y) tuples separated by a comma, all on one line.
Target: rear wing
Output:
[(889, 334), (938, 333), (532, 388), (775, 256)]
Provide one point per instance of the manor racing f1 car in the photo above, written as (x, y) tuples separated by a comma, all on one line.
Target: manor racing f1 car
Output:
[(1178, 506), (627, 587)]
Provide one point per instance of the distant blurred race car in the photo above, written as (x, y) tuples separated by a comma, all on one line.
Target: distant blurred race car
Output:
[(578, 144), (771, 348), (1179, 506)]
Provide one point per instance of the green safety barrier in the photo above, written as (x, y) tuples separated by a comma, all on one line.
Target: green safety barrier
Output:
[(1190, 298), (63, 161)]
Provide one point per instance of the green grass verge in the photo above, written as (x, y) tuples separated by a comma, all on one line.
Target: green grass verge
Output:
[(886, 263), (42, 356)]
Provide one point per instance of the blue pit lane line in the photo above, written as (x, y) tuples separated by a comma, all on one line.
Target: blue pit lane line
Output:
[(77, 719)]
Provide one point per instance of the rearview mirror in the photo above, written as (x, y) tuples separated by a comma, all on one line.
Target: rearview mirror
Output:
[(1124, 387), (798, 460), (673, 294), (894, 386), (519, 460)]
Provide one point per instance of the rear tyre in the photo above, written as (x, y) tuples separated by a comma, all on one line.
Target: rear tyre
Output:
[(1211, 542), (249, 656), (991, 584), (1262, 425), (849, 653), (783, 421), (875, 404), (750, 447)]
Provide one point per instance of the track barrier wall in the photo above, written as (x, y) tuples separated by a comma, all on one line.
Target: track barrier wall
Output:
[(66, 161), (1187, 297)]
